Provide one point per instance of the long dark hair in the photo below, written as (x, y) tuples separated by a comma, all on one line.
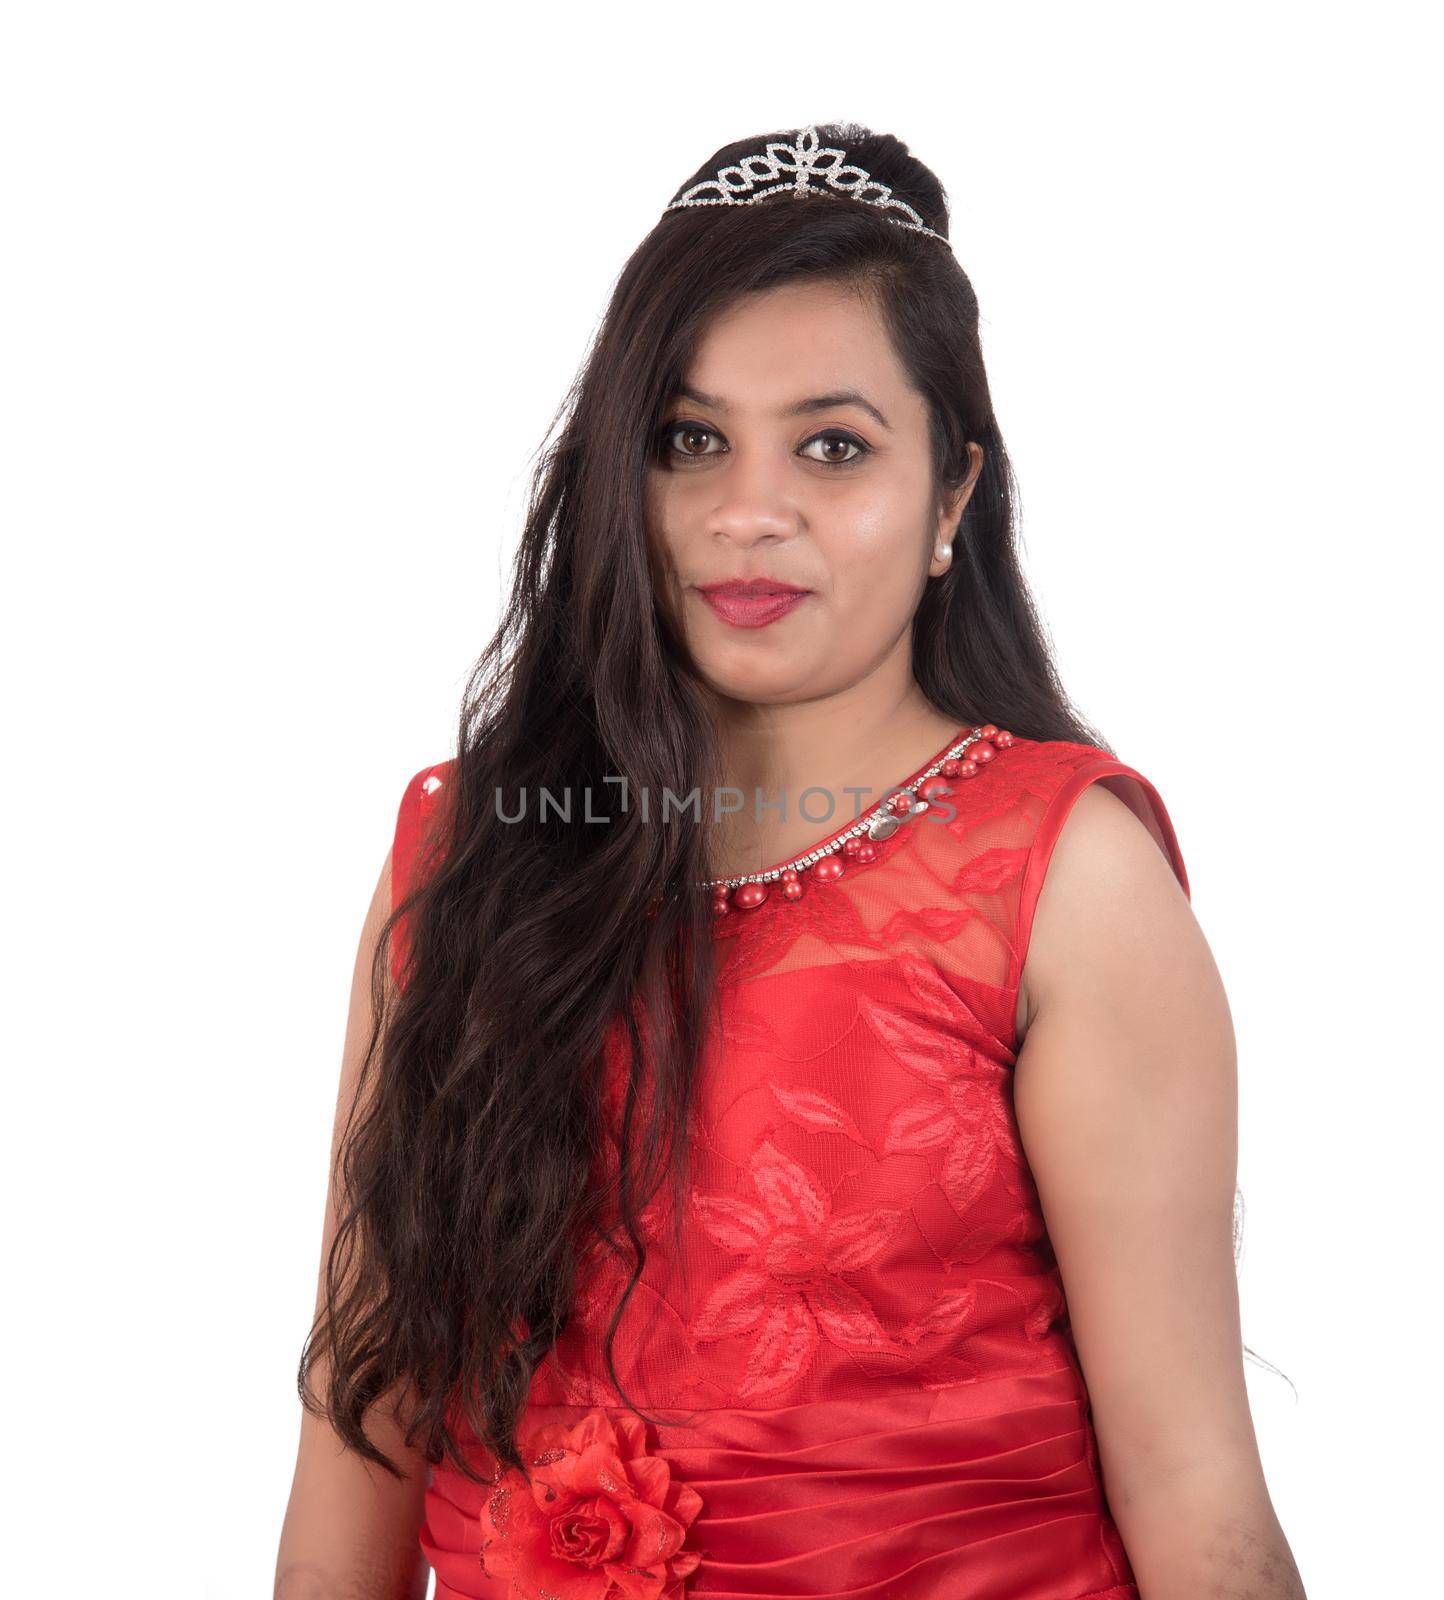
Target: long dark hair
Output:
[(464, 1177)]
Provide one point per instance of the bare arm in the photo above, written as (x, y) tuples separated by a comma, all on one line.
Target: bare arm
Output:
[(351, 1529), (1126, 1096)]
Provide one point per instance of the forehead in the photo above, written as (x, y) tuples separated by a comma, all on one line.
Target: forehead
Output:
[(798, 338)]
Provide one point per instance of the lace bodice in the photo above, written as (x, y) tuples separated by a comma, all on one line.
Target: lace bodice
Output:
[(864, 1228)]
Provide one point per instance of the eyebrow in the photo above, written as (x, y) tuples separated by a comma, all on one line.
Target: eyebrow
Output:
[(814, 402)]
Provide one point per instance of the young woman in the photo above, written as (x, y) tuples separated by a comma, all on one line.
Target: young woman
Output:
[(829, 1193)]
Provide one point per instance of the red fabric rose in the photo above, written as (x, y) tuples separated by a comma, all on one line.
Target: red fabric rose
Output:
[(600, 1520)]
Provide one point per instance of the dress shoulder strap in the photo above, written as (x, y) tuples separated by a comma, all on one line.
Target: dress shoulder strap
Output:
[(421, 804), (963, 893)]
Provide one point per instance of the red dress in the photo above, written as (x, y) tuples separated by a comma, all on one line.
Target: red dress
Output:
[(863, 1353)]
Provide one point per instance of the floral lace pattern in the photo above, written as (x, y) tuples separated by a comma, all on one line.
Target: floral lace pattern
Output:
[(792, 1287)]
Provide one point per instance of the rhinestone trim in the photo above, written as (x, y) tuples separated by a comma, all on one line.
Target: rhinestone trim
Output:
[(879, 814)]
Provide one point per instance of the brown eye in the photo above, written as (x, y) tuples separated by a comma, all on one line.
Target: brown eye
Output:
[(830, 442), (693, 435)]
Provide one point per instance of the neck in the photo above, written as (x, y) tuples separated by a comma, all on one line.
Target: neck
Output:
[(846, 742)]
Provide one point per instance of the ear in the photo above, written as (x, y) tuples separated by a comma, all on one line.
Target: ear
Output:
[(950, 512)]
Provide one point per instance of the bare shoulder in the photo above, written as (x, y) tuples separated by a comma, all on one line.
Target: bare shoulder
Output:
[(1110, 907)]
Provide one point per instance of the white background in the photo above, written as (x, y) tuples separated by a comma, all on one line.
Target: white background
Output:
[(292, 292)]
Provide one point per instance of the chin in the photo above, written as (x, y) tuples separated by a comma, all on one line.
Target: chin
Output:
[(756, 684)]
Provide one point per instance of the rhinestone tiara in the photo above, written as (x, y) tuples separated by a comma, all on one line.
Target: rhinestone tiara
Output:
[(795, 166)]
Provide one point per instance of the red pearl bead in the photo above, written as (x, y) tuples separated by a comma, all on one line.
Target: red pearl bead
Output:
[(987, 742)]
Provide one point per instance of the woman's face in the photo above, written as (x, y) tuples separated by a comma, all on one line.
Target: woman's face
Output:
[(797, 454)]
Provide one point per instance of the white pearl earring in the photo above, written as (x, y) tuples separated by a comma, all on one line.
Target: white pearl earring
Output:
[(945, 552)]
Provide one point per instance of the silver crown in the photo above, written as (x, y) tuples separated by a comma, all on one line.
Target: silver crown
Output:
[(796, 165)]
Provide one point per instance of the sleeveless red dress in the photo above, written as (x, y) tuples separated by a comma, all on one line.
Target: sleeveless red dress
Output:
[(862, 1356)]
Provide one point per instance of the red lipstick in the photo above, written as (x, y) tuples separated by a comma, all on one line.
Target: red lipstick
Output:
[(752, 602)]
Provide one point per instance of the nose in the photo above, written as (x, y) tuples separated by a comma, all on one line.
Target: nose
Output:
[(752, 502)]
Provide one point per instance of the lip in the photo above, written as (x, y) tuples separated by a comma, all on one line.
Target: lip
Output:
[(752, 602)]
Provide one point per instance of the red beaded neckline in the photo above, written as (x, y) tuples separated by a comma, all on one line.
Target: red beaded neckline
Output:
[(855, 845)]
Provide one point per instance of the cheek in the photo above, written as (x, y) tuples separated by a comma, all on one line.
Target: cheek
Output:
[(878, 555), (662, 547)]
